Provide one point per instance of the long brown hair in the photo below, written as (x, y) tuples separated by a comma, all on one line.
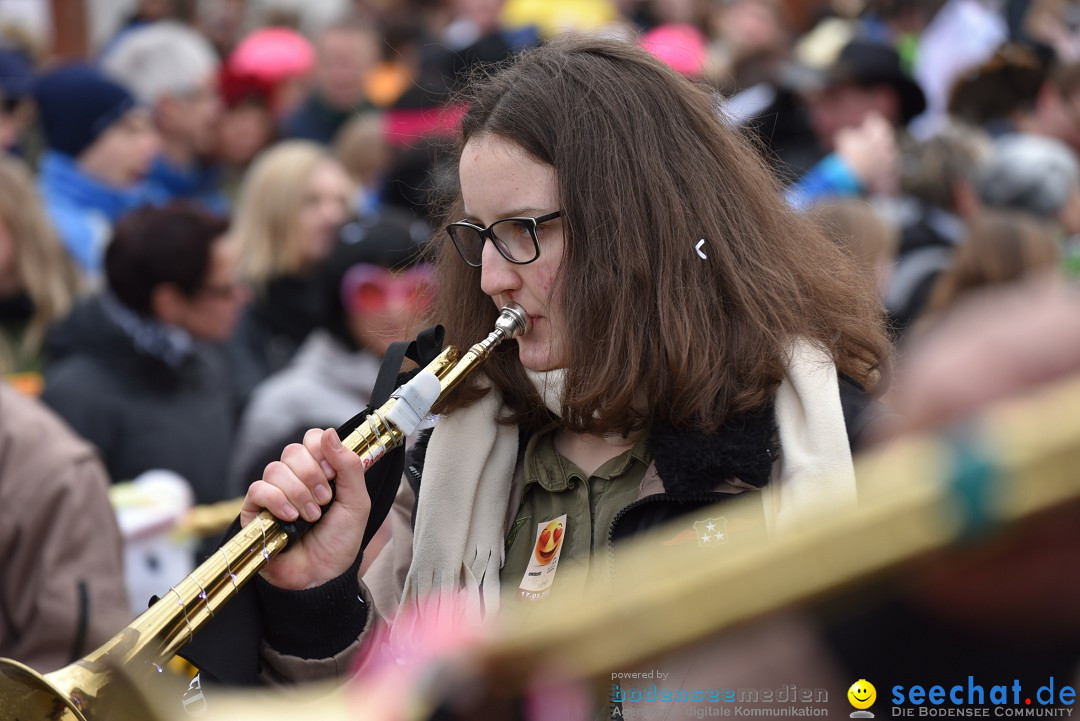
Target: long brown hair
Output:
[(646, 169), (43, 267)]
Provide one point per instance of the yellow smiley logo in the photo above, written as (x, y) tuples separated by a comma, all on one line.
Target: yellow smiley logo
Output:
[(862, 694), (548, 543)]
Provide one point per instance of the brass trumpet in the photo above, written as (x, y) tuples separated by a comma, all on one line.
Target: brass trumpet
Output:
[(91, 689)]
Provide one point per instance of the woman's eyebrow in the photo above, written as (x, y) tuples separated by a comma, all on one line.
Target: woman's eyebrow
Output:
[(523, 212)]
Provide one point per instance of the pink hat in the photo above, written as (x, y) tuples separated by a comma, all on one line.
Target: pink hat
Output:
[(680, 46), (272, 54)]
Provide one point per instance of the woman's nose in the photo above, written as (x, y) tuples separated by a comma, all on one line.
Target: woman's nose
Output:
[(497, 274)]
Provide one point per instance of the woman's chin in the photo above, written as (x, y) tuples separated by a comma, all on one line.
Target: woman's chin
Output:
[(538, 361)]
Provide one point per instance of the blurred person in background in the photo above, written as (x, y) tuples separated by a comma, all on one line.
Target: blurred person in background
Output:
[(172, 69), (865, 162), (362, 148), (149, 12), (134, 369), (280, 61), (940, 42), (1041, 176), (938, 197), (476, 36), (293, 201), (865, 99), (751, 43), (16, 80), (373, 292), (365, 153), (1009, 90), (346, 53), (62, 582), (654, 13), (1002, 248), (1037, 175), (988, 347), (260, 82), (1056, 112), (38, 280), (99, 146), (223, 23)]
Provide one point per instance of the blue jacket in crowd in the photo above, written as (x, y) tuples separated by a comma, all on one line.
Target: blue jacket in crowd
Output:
[(83, 209)]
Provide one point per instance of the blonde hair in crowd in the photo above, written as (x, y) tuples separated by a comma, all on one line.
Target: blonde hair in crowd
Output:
[(266, 222), (42, 264)]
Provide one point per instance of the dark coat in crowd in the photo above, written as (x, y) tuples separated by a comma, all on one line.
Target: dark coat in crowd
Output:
[(928, 239), (272, 328), (145, 405)]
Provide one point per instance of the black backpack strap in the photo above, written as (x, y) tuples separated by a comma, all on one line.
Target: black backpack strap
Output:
[(384, 477)]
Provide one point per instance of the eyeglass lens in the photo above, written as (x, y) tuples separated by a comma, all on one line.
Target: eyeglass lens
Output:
[(514, 239)]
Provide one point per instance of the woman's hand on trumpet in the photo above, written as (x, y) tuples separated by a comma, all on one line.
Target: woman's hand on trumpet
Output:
[(295, 487)]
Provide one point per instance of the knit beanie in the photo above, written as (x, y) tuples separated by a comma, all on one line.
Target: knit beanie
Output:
[(1031, 173), (388, 239), (76, 104), (16, 75)]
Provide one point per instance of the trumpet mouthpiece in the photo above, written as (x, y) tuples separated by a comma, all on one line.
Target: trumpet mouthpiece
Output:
[(513, 321)]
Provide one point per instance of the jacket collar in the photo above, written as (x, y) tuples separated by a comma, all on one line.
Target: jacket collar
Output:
[(61, 175), (167, 343)]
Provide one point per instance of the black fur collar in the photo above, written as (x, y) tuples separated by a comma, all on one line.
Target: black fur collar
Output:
[(692, 463), (689, 462)]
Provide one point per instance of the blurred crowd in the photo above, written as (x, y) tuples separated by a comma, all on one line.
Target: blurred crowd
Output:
[(212, 227)]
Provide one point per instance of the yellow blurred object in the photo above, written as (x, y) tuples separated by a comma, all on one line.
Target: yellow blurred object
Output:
[(210, 519), (557, 16), (922, 494)]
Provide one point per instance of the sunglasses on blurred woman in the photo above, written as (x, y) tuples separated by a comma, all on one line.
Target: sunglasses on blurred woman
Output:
[(371, 289)]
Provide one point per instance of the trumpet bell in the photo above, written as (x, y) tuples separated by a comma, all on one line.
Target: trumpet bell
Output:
[(30, 695), (73, 693)]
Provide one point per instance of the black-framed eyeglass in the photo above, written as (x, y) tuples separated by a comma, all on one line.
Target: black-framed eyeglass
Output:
[(514, 238)]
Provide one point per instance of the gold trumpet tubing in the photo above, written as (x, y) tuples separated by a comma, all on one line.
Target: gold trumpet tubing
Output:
[(372, 438), (81, 690), (172, 622), (472, 359)]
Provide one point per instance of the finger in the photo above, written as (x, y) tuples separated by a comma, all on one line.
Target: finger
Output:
[(297, 492), (309, 470), (349, 469), (262, 495), (313, 442)]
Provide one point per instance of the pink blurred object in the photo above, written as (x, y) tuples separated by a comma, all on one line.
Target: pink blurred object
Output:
[(273, 54), (680, 46), (428, 660), (406, 126)]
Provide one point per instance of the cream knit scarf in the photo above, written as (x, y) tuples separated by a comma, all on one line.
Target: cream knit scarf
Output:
[(462, 511)]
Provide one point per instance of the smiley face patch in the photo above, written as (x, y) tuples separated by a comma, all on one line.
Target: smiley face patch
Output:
[(549, 541), (544, 561)]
